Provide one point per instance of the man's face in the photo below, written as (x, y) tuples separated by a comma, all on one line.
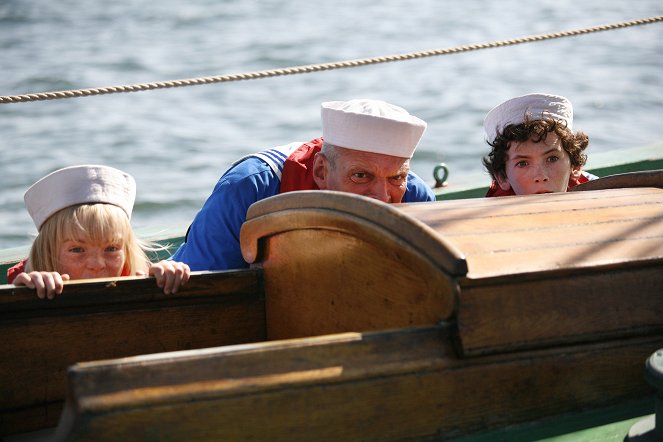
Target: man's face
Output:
[(542, 167), (382, 177)]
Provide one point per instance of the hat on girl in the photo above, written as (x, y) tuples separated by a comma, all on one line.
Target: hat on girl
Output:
[(371, 126), (533, 106), (87, 184)]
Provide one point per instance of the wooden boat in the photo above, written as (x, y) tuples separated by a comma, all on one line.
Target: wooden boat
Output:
[(361, 321)]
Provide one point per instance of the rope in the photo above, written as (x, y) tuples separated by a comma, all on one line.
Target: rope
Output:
[(307, 69)]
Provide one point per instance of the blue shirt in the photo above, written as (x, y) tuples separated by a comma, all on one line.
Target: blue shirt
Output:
[(212, 242)]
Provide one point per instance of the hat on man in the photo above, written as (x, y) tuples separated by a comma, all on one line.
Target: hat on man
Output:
[(532, 106), (371, 126), (88, 184)]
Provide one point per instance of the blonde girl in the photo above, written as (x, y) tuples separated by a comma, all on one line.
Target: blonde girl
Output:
[(83, 216)]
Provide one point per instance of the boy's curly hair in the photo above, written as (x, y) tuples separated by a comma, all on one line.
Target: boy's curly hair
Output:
[(536, 130)]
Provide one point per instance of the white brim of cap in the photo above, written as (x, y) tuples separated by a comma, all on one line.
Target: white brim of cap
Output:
[(85, 184)]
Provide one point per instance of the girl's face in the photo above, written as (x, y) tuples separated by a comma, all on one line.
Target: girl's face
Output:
[(542, 167), (82, 259)]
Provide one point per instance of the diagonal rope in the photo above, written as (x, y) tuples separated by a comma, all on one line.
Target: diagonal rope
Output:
[(307, 69)]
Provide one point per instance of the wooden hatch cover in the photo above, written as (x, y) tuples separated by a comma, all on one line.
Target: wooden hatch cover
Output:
[(512, 272), (555, 269)]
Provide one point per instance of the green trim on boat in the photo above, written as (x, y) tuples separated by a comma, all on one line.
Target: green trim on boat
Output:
[(608, 424)]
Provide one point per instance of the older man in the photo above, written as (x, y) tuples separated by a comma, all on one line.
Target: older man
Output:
[(365, 148)]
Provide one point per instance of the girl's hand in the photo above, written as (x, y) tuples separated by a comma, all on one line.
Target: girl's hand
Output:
[(170, 275), (47, 284)]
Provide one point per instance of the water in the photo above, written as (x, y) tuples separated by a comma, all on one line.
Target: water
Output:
[(178, 142)]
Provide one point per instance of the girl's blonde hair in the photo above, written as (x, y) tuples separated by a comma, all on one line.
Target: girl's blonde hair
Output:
[(97, 223)]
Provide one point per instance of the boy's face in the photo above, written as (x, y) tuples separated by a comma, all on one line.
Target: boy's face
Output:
[(82, 259), (542, 167)]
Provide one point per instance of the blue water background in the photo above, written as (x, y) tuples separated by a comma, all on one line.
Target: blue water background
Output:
[(177, 142)]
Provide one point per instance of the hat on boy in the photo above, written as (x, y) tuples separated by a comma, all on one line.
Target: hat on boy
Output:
[(533, 106), (371, 126), (87, 184)]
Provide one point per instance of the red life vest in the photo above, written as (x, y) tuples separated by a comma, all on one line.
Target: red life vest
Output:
[(298, 168), (13, 272)]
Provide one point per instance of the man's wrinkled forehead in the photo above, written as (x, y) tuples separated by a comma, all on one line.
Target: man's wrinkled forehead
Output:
[(370, 160)]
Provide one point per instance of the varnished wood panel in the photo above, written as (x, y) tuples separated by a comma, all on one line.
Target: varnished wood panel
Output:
[(328, 269), (513, 235), (398, 385), (323, 281), (534, 310), (358, 267), (494, 236), (110, 319)]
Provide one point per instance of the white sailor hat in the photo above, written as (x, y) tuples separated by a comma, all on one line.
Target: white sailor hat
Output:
[(86, 184), (371, 126), (533, 106)]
